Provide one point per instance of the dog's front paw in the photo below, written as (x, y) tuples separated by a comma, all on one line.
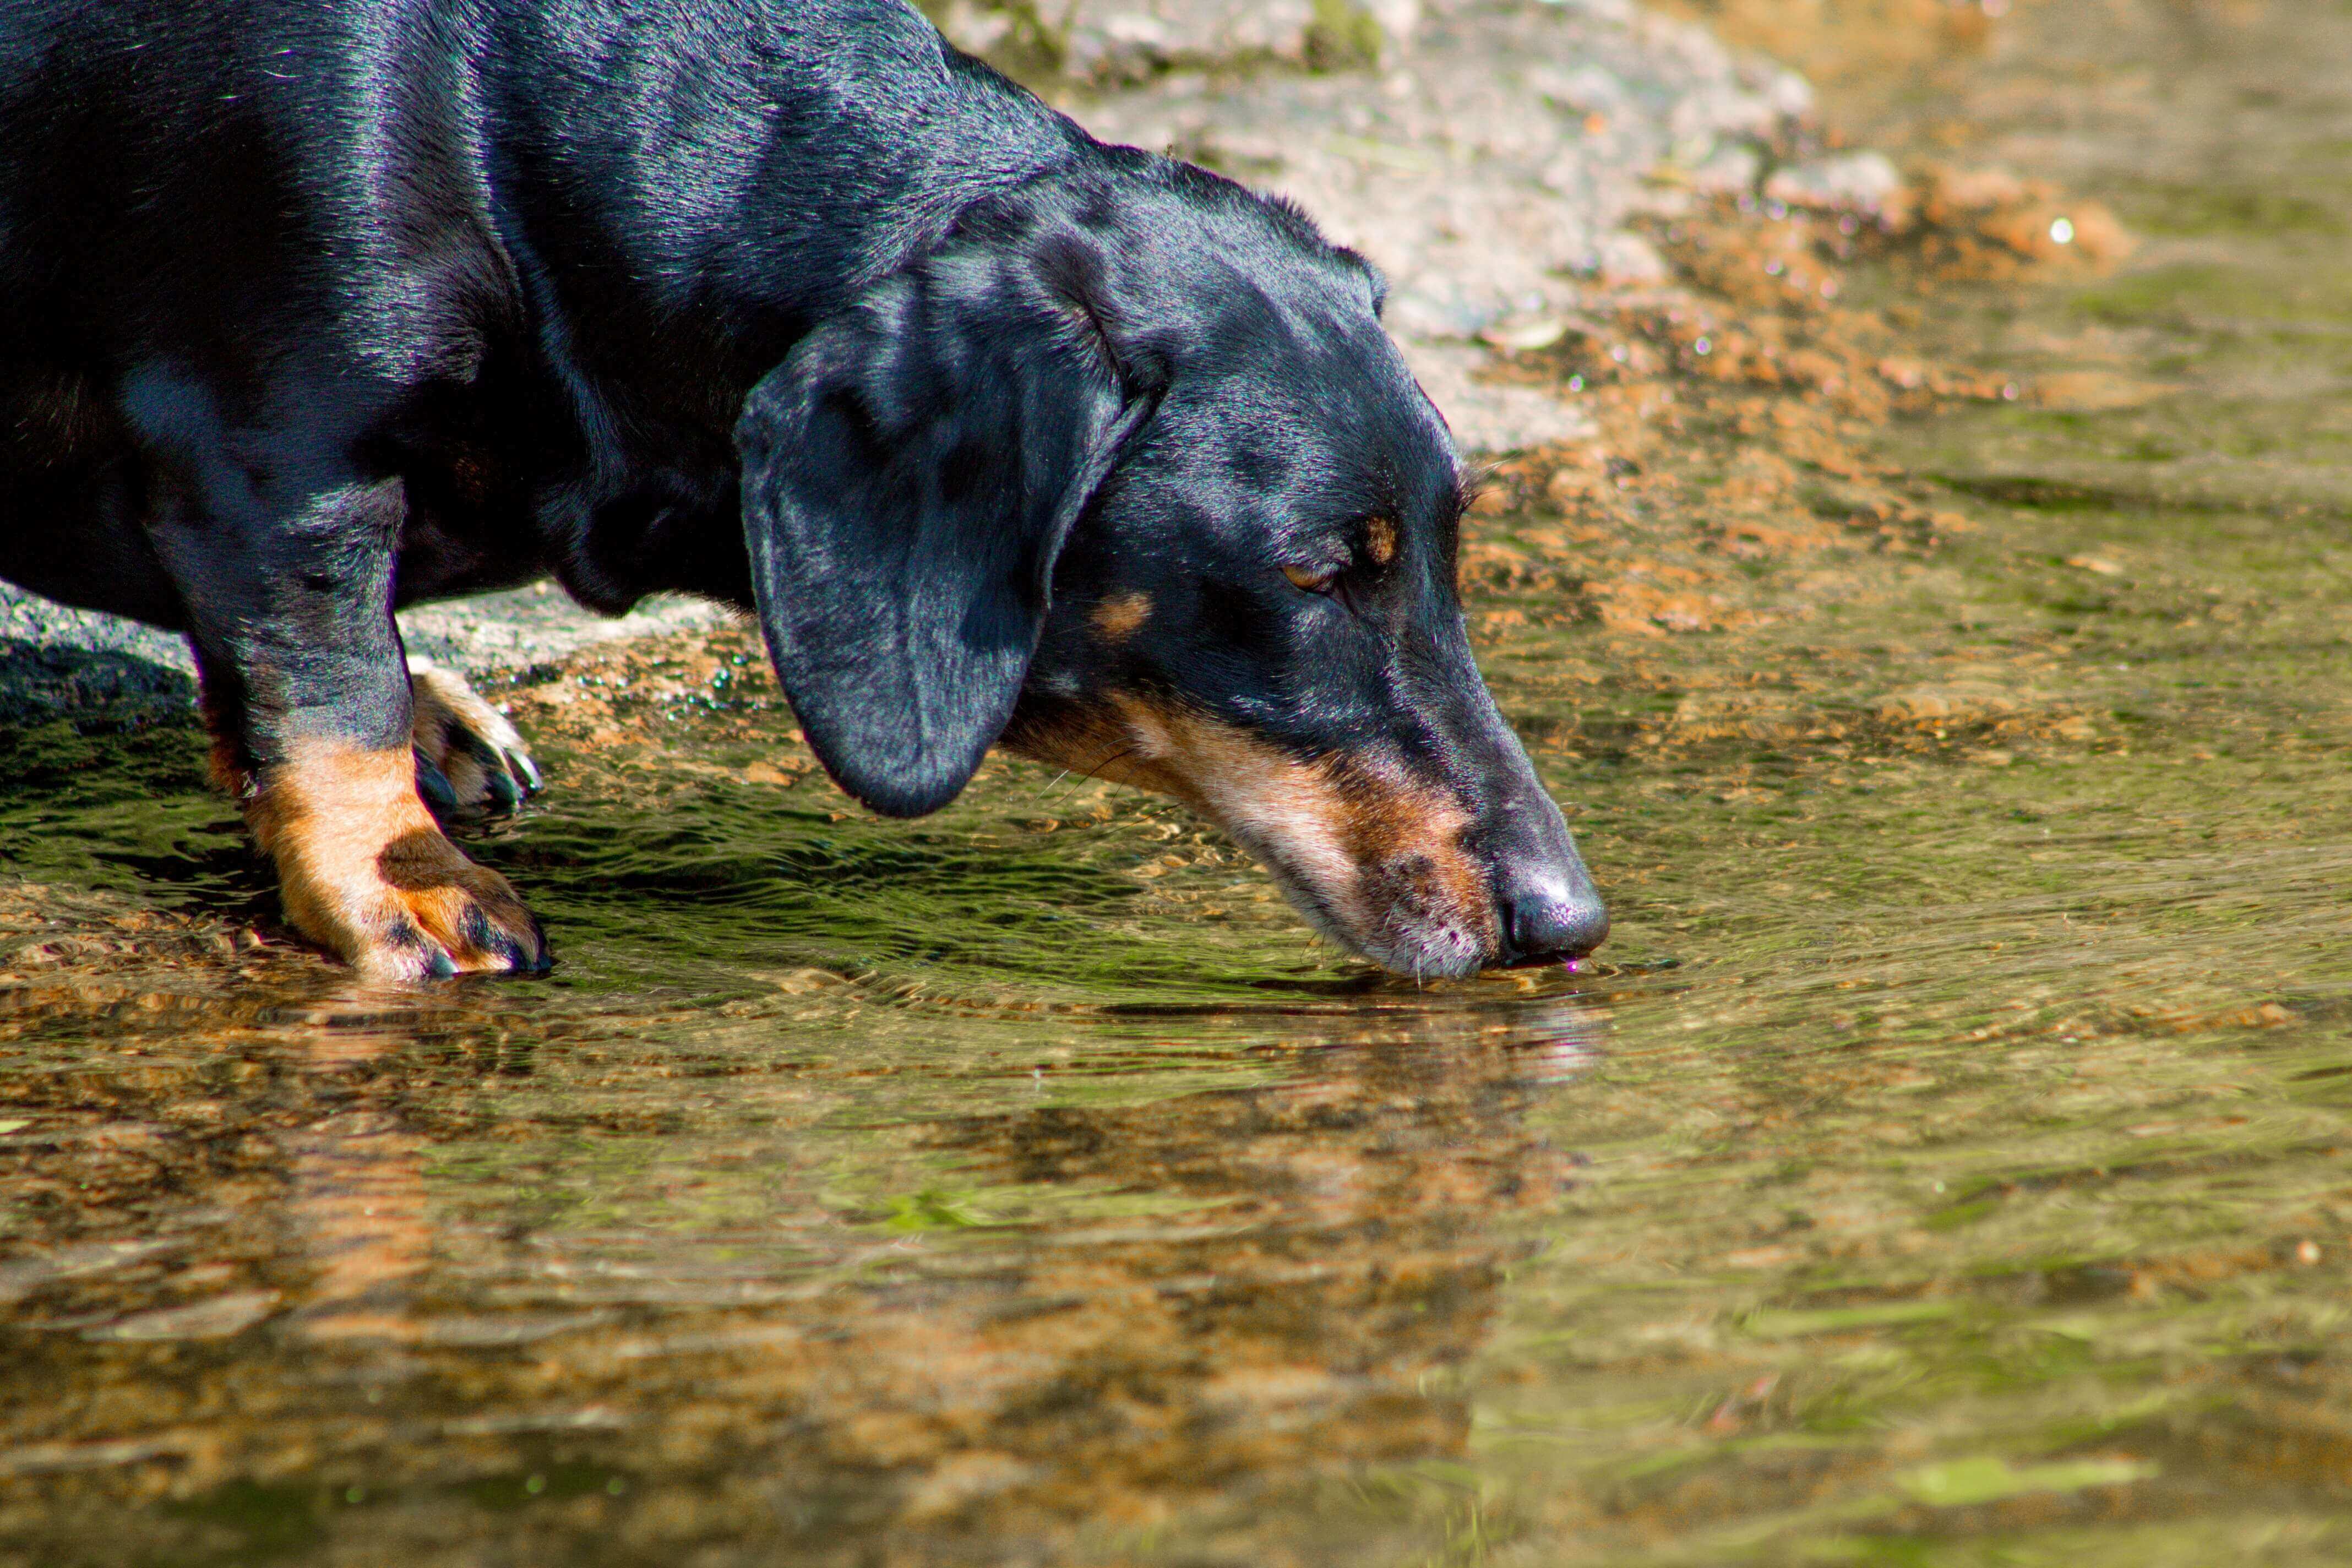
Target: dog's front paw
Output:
[(364, 870), (467, 756), (428, 912)]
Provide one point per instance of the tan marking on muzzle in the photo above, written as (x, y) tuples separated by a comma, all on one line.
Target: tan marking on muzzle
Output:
[(1376, 849), (1119, 616)]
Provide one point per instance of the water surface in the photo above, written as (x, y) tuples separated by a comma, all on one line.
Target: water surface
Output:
[(1950, 1163)]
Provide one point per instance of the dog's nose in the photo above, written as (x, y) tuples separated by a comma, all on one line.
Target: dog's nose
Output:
[(1553, 923)]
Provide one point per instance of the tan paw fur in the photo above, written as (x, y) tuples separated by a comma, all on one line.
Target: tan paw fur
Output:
[(366, 871)]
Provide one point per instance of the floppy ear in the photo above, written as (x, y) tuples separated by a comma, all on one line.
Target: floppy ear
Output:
[(910, 471)]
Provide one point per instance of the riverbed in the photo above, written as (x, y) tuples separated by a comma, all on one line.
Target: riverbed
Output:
[(1949, 1160)]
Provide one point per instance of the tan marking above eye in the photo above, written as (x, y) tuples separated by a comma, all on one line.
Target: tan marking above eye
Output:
[(1118, 617), (1313, 579), (1381, 541)]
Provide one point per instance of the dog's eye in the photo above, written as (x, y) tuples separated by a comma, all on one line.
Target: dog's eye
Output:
[(1319, 579)]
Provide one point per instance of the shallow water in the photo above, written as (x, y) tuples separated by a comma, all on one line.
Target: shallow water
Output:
[(1950, 1163)]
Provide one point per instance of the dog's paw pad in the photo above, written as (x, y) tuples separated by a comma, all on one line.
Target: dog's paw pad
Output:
[(468, 757)]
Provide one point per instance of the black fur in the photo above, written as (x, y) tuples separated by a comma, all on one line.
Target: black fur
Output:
[(309, 309)]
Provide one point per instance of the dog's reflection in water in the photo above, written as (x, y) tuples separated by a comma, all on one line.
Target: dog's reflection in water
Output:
[(358, 1204), (1103, 1315)]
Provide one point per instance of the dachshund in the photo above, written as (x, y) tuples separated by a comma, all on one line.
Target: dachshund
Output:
[(310, 310)]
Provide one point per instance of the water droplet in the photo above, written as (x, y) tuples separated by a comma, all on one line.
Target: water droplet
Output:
[(2062, 231)]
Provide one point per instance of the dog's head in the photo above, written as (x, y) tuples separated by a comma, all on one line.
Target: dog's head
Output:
[(1127, 476)]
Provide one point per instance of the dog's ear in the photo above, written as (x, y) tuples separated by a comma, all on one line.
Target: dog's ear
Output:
[(910, 471)]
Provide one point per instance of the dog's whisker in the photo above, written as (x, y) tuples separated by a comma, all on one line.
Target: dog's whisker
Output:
[(1115, 756), (1097, 768)]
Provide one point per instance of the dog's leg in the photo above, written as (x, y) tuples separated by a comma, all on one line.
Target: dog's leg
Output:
[(309, 699), (467, 755)]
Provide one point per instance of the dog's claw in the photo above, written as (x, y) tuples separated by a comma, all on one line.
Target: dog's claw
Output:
[(434, 785), (536, 960), (505, 793), (526, 772)]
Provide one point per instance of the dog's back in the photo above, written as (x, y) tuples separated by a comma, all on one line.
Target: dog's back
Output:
[(207, 213), (211, 212)]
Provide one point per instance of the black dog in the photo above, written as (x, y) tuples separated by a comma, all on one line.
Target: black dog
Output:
[(310, 309)]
